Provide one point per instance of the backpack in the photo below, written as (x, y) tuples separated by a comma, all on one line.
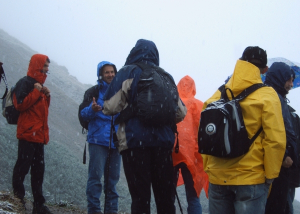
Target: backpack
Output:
[(87, 99), (8, 109), (2, 76), (222, 132), (156, 100)]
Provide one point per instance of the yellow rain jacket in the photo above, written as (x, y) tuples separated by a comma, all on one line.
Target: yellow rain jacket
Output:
[(261, 108), (188, 135)]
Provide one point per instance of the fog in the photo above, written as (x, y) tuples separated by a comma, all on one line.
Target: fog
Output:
[(202, 39)]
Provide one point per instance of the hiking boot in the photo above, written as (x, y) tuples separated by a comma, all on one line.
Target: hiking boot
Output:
[(41, 210), (21, 201)]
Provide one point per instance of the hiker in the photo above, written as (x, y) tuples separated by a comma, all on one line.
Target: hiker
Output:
[(146, 148), (294, 172), (101, 147), (280, 77), (240, 185), (188, 160), (32, 99)]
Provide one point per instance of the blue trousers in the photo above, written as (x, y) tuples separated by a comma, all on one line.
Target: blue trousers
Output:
[(244, 199), (97, 168), (194, 206)]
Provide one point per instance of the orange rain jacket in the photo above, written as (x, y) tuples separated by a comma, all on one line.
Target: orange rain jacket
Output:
[(33, 105), (188, 136)]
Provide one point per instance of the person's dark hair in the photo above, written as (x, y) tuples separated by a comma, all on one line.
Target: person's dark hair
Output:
[(102, 68), (256, 56), (48, 60)]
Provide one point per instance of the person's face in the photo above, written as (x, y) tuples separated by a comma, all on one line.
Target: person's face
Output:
[(108, 73), (45, 67), (289, 84)]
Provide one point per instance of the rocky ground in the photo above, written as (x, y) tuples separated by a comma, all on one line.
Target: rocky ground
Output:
[(11, 205)]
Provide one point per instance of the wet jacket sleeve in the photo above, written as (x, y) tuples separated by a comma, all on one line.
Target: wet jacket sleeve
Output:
[(48, 100), (291, 147), (87, 113), (116, 96), (181, 112), (28, 101), (274, 141)]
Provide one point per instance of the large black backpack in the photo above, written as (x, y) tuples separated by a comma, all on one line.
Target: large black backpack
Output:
[(87, 99), (222, 132), (157, 98)]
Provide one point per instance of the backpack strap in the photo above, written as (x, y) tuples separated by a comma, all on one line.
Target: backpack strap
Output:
[(248, 91), (256, 135), (240, 97), (243, 95), (130, 110)]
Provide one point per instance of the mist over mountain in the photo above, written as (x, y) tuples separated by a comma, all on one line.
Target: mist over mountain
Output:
[(65, 174)]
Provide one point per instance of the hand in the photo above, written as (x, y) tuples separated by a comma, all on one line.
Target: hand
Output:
[(38, 86), (95, 106), (287, 163), (46, 91)]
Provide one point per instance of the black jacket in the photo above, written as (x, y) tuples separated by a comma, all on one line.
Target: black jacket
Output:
[(295, 172), (276, 77)]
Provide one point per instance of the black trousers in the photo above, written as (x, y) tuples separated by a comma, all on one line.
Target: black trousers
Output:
[(30, 155), (276, 203), (145, 167)]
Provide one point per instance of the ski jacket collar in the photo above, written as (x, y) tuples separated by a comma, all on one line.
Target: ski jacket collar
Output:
[(102, 85)]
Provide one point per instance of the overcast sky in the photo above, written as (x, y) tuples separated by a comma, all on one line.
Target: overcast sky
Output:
[(202, 39)]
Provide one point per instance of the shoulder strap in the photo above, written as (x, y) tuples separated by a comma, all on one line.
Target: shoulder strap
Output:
[(256, 134), (243, 95), (221, 88), (96, 92), (248, 91)]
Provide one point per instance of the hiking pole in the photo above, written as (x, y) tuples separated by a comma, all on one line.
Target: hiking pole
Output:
[(107, 163), (177, 194)]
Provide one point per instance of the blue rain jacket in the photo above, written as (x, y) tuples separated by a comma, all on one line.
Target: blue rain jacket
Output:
[(99, 125), (276, 77)]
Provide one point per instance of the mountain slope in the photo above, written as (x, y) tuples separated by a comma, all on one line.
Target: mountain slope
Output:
[(65, 175)]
